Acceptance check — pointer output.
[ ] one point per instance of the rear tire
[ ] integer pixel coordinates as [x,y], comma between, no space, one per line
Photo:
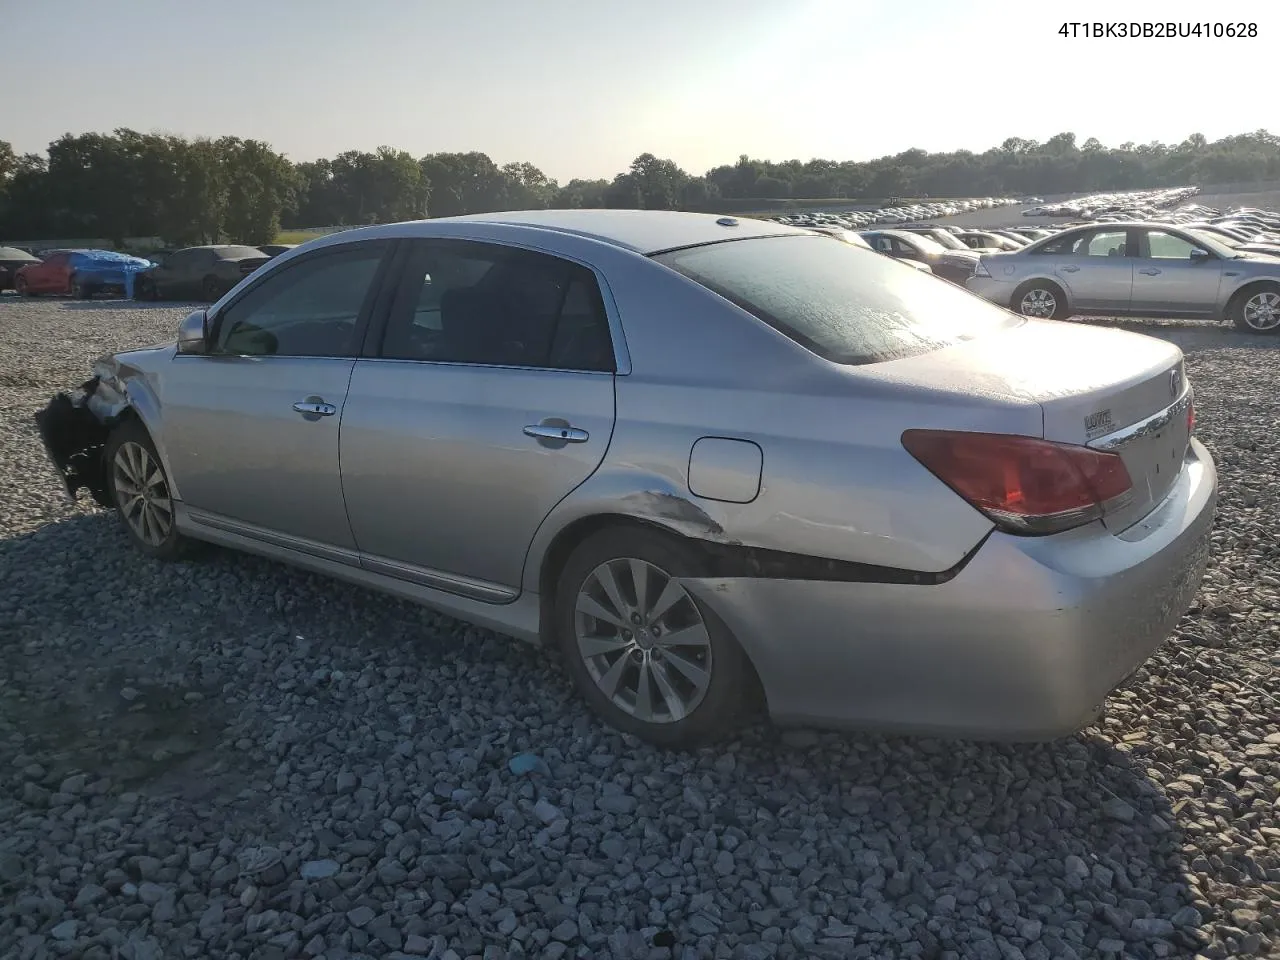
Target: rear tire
[1039,300]
[1256,309]
[78,290]
[139,488]
[211,288]
[145,290]
[20,287]
[651,660]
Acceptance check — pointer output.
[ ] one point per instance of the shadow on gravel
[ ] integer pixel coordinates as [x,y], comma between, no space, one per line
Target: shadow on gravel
[71,688]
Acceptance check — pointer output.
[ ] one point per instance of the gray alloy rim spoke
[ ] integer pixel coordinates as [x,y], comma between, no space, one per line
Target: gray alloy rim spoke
[1038,303]
[665,687]
[643,640]
[609,583]
[594,608]
[1262,312]
[143,494]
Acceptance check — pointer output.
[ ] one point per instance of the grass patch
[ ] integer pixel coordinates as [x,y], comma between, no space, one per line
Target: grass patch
[296,236]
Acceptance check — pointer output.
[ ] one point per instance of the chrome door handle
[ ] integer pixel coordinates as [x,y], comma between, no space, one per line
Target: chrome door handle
[1149,271]
[549,431]
[315,408]
[1070,269]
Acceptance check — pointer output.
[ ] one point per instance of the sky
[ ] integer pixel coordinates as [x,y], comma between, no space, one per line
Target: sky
[579,88]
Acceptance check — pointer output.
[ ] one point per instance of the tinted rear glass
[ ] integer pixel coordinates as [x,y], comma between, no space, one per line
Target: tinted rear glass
[845,304]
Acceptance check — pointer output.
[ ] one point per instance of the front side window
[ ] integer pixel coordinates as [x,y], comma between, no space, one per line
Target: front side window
[837,301]
[482,303]
[1168,246]
[308,309]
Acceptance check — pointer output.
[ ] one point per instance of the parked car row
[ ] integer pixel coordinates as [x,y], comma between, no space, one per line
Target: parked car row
[1192,262]
[1132,205]
[1137,268]
[894,214]
[190,273]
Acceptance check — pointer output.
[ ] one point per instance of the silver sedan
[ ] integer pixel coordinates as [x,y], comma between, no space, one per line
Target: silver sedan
[1134,269]
[713,462]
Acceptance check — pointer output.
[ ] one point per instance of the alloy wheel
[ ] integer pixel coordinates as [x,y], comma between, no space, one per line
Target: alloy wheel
[142,493]
[1262,311]
[1038,302]
[643,640]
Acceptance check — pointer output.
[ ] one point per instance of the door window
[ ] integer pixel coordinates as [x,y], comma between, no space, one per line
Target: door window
[1168,246]
[1107,243]
[308,309]
[464,302]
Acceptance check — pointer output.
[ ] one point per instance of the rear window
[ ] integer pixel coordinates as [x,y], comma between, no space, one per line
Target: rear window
[845,304]
[238,253]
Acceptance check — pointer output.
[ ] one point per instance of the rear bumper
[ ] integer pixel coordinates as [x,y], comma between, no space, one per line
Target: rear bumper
[1025,643]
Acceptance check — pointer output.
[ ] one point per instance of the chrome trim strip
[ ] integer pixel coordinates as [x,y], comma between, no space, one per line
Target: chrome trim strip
[1153,424]
[450,583]
[287,541]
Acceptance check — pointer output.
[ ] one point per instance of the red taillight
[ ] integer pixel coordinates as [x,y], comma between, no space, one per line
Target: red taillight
[1025,485]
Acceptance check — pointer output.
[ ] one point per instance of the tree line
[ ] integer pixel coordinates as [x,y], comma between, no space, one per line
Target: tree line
[131,184]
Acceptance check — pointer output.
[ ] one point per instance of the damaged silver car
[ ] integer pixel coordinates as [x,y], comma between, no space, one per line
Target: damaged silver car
[714,462]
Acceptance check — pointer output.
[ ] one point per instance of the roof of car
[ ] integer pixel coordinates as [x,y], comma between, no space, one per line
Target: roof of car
[645,231]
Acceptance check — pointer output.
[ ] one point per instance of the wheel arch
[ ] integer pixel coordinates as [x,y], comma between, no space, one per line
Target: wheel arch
[1243,291]
[567,539]
[1023,285]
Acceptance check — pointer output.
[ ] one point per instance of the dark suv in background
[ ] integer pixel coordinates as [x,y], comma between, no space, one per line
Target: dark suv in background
[198,272]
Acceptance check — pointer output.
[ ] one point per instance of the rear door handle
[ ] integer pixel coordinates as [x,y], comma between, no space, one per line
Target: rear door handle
[1149,271]
[311,409]
[1070,269]
[550,431]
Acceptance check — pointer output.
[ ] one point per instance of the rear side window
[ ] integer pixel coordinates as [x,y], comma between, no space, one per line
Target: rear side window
[847,305]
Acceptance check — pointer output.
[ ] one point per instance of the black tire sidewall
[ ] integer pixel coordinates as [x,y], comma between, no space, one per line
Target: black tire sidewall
[135,432]
[210,288]
[722,708]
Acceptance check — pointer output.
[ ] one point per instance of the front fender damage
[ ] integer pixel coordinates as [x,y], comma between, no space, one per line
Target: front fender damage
[74,428]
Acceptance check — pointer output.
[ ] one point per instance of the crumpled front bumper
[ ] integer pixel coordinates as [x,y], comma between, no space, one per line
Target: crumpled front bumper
[74,440]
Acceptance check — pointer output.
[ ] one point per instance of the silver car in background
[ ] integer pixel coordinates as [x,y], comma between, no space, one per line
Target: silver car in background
[707,460]
[1134,269]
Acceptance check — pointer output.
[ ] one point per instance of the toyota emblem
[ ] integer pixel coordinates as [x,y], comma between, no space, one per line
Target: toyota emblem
[1175,382]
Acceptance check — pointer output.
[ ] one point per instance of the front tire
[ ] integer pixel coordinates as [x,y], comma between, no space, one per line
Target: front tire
[1256,309]
[140,490]
[145,290]
[211,288]
[647,656]
[1040,300]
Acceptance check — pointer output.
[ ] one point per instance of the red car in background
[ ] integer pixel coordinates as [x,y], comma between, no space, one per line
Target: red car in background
[51,275]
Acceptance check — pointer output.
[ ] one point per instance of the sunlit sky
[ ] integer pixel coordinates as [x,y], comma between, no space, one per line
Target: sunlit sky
[580,87]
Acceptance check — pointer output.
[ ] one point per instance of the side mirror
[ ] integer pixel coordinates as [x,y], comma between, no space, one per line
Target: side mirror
[193,334]
[1198,255]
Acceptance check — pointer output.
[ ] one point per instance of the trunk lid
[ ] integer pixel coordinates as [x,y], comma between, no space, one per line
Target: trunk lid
[1104,388]
[249,264]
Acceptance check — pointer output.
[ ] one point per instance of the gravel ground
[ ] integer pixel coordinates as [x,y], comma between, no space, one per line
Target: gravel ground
[230,759]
